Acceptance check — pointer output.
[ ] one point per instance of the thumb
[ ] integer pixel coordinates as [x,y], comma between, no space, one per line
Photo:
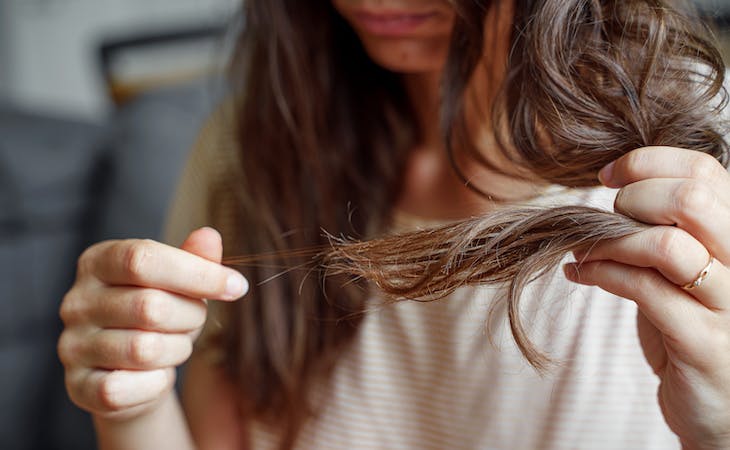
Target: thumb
[206,243]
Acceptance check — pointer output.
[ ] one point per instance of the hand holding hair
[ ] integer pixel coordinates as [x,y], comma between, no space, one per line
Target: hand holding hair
[685,332]
[132,316]
[684,325]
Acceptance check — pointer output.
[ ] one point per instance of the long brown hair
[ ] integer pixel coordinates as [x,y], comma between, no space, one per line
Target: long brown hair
[324,134]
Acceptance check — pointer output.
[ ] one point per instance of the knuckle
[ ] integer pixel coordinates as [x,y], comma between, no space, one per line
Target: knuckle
[85,263]
[108,392]
[646,281]
[200,318]
[145,349]
[73,392]
[182,351]
[669,243]
[70,311]
[150,310]
[136,256]
[619,203]
[704,166]
[67,348]
[634,162]
[187,349]
[694,198]
[76,389]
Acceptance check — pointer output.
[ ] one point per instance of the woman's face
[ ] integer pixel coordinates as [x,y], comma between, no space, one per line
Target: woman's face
[406,36]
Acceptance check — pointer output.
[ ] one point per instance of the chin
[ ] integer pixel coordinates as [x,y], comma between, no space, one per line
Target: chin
[408,56]
[402,36]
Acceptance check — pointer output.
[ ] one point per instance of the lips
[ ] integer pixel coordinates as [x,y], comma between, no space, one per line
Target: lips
[393,23]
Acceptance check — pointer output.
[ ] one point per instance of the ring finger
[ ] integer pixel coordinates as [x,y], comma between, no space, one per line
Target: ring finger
[674,253]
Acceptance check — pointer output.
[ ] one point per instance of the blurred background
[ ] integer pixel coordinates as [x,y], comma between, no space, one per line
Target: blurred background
[100,103]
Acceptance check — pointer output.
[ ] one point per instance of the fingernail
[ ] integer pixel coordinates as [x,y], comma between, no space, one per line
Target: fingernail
[605,174]
[236,286]
[571,271]
[579,255]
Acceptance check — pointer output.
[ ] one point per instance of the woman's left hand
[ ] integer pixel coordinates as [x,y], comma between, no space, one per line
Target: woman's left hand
[685,333]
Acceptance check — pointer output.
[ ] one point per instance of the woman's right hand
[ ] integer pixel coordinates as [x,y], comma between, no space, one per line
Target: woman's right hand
[132,315]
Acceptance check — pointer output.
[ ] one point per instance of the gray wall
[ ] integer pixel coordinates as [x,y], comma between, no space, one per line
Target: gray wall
[4,50]
[48,47]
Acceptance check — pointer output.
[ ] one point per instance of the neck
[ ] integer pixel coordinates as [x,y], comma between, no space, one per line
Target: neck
[431,187]
[424,92]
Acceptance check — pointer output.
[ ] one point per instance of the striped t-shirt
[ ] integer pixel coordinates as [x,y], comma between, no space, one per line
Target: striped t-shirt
[447,374]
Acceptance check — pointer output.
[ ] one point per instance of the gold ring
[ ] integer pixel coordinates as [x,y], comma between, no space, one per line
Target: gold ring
[704,273]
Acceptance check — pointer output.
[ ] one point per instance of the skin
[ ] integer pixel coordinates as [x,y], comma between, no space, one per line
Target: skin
[131,317]
[136,306]
[685,334]
[420,57]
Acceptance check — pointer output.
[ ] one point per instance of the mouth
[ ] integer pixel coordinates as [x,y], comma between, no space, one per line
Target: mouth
[393,24]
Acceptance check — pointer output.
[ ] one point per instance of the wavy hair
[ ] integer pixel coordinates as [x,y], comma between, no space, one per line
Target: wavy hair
[323,137]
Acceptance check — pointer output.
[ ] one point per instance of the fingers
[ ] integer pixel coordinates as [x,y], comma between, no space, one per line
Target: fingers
[671,310]
[123,349]
[132,315]
[675,254]
[664,162]
[691,204]
[107,392]
[151,264]
[672,186]
[135,308]
[206,243]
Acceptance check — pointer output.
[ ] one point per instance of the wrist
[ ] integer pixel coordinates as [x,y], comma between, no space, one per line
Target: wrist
[155,426]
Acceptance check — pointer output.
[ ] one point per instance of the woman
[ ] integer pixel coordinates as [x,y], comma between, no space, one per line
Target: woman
[339,122]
